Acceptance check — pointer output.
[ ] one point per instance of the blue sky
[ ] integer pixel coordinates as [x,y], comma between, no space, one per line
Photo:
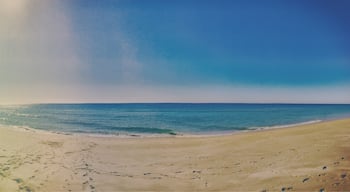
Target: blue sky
[287,43]
[123,49]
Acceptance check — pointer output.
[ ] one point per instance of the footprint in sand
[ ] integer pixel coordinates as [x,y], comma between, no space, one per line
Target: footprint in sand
[53,144]
[85,184]
[18,180]
[26,188]
[306,179]
[22,186]
[343,175]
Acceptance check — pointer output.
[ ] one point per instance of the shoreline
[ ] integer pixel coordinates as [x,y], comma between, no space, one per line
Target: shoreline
[138,127]
[178,134]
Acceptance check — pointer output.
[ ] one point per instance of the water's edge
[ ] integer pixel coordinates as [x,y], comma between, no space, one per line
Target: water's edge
[166,120]
[177,135]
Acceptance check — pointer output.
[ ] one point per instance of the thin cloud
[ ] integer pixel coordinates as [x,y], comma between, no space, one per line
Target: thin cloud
[37,46]
[130,65]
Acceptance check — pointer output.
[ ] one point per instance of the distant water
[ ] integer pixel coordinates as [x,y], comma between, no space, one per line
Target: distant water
[165,118]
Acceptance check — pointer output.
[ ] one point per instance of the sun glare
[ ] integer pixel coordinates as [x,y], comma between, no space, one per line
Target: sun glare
[12,7]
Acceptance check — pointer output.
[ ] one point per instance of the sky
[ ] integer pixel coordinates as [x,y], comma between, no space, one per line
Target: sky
[274,51]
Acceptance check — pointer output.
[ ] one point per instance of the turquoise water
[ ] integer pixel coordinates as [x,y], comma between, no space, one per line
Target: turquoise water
[165,118]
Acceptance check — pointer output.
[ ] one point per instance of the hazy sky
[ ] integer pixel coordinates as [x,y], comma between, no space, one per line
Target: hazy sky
[174,51]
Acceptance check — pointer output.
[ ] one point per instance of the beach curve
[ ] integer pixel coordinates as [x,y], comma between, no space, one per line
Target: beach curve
[311,157]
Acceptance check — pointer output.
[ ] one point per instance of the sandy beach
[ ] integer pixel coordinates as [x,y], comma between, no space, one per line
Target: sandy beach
[311,157]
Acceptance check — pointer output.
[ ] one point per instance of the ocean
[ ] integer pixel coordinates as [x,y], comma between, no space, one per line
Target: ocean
[166,118]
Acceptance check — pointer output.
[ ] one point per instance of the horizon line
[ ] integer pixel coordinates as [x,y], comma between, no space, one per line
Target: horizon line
[97,103]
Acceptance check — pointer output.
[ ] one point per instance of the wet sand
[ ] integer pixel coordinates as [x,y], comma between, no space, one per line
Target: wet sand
[311,157]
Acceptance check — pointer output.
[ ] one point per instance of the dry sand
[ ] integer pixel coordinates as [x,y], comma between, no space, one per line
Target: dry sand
[304,158]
